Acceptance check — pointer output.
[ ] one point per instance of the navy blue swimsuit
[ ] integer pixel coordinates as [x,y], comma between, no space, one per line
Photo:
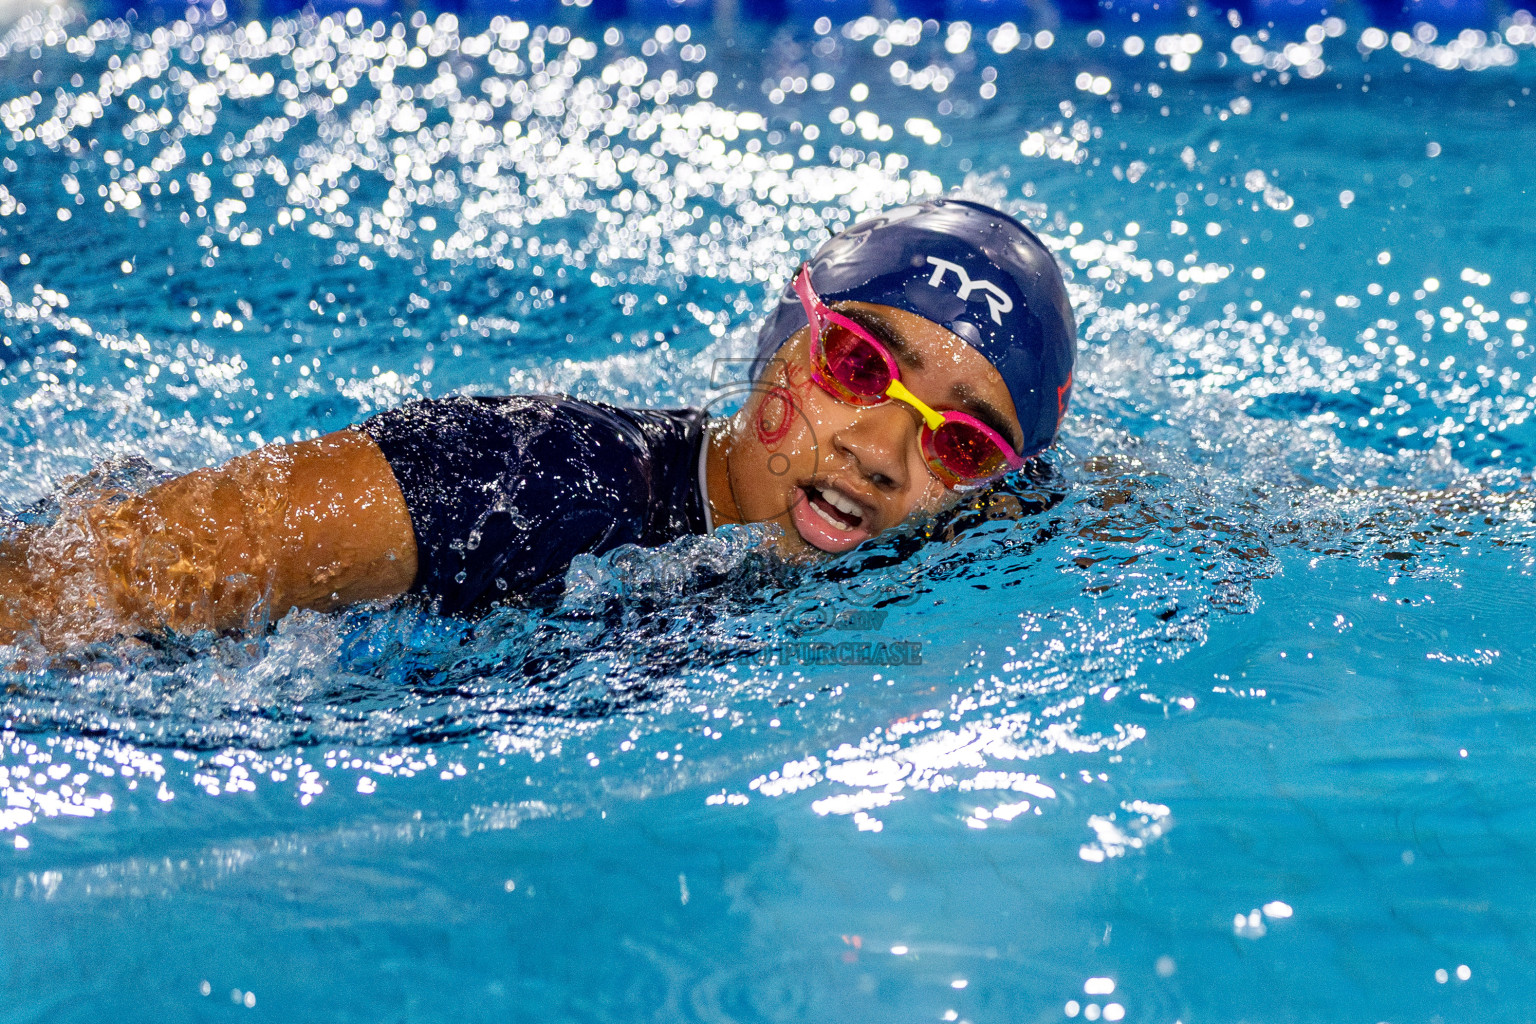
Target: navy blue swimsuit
[504,492]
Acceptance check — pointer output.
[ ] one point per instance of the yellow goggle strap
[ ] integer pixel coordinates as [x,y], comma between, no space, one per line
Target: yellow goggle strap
[932,417]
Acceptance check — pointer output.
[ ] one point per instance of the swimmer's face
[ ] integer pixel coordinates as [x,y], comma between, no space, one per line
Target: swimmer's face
[833,475]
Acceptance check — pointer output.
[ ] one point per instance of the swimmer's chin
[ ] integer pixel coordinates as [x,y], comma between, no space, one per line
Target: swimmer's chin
[780,538]
[782,534]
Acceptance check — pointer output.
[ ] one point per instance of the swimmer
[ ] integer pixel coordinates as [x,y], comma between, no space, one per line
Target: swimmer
[921,354]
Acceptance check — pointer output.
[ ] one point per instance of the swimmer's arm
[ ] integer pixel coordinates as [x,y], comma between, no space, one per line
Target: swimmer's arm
[314,524]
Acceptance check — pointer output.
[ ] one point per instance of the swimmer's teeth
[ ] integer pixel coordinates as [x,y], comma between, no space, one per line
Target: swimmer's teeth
[834,522]
[843,504]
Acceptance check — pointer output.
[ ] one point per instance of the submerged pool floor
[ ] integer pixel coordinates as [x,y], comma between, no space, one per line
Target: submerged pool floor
[1238,730]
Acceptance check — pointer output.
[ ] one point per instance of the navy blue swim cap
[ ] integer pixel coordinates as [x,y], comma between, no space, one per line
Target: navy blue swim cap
[970,268]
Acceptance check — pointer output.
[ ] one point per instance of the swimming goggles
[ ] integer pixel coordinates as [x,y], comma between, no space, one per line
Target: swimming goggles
[850,364]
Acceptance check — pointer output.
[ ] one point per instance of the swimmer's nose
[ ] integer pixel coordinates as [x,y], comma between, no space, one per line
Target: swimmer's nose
[880,441]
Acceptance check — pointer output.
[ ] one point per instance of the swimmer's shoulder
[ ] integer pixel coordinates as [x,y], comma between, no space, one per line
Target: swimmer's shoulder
[530,433]
[535,480]
[502,413]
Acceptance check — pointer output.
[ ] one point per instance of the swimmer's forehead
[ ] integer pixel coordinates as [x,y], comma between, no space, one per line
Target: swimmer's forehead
[962,396]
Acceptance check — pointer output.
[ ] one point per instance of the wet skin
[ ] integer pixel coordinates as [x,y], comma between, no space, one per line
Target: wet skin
[313,524]
[829,474]
[322,523]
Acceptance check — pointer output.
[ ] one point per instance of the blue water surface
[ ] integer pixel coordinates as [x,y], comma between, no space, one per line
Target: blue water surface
[1234,726]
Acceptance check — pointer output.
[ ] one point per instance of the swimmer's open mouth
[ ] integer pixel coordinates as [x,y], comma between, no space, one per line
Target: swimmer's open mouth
[830,519]
[836,508]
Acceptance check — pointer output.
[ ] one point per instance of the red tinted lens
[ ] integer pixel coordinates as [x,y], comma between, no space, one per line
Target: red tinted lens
[966,452]
[855,362]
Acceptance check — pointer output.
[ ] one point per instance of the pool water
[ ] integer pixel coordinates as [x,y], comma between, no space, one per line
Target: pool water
[1236,726]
